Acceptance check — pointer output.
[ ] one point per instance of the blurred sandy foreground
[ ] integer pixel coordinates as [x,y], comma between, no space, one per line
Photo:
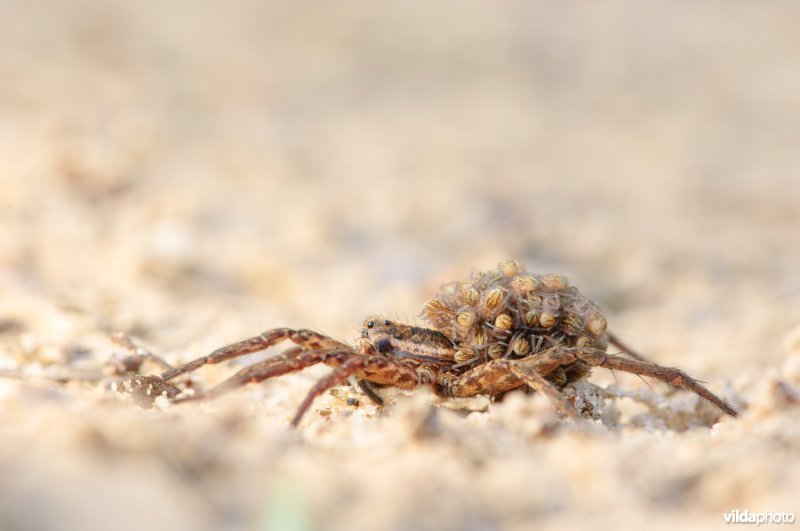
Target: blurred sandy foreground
[193,173]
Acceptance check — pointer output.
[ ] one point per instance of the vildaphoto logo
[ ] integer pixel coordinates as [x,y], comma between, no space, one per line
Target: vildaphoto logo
[764,517]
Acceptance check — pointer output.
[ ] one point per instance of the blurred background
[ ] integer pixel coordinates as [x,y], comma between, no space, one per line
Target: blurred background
[195,172]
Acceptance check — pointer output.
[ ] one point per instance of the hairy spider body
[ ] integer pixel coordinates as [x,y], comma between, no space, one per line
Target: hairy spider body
[496,331]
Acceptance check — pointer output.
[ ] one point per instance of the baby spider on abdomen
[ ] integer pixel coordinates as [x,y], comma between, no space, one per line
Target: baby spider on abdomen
[496,331]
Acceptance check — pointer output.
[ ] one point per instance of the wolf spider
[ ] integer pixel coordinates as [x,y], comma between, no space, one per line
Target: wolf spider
[497,331]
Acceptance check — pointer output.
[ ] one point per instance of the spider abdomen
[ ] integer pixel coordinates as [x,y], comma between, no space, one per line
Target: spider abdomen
[508,312]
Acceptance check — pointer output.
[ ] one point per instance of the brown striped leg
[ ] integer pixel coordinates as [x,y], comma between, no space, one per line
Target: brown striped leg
[373,369]
[665,374]
[338,376]
[499,376]
[370,389]
[376,369]
[306,339]
[293,360]
[364,347]
[527,373]
[136,357]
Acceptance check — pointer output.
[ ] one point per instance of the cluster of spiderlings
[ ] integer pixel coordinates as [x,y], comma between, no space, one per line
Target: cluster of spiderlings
[510,313]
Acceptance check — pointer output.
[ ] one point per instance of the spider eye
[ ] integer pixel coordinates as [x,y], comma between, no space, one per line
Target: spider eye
[370,324]
[387,322]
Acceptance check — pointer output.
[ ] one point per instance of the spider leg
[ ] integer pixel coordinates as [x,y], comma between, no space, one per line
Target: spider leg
[377,369]
[137,355]
[369,389]
[498,376]
[306,339]
[293,360]
[614,340]
[527,373]
[338,376]
[369,369]
[669,375]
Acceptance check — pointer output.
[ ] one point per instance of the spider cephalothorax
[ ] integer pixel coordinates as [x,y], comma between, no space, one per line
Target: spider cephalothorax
[494,332]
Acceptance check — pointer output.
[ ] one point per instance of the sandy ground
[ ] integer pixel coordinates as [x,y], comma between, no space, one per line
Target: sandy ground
[192,174]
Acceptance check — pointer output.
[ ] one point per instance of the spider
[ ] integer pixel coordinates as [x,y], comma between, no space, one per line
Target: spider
[491,333]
